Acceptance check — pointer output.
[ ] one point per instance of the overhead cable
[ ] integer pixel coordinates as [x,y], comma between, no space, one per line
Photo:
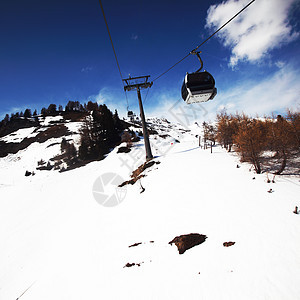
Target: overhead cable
[194,50]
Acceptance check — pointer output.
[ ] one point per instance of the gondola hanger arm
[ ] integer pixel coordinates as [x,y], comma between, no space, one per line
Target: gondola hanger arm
[197,53]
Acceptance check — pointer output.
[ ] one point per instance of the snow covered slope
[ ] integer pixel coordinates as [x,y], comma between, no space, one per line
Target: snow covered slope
[58,242]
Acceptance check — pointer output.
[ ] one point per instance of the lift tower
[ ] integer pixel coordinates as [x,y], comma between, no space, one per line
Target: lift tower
[138,83]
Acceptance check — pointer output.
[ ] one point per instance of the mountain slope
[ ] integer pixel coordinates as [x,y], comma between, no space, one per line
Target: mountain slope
[60,243]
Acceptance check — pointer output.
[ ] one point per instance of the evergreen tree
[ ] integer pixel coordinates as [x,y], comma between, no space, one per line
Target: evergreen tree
[70,106]
[91,106]
[117,122]
[44,112]
[51,109]
[27,113]
[98,133]
[6,119]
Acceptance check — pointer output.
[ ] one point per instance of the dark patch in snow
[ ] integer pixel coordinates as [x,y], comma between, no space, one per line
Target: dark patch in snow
[134,245]
[228,244]
[123,150]
[136,174]
[129,265]
[164,136]
[187,241]
[140,243]
[53,144]
[55,131]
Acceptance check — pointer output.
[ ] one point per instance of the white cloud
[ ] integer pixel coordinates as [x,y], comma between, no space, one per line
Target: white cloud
[112,99]
[174,109]
[274,94]
[262,27]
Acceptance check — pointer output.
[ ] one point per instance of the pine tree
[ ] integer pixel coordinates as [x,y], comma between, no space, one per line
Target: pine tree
[51,110]
[6,120]
[27,113]
[44,112]
[98,133]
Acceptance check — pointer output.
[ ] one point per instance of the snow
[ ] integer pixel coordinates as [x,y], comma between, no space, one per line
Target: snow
[59,243]
[19,135]
[46,121]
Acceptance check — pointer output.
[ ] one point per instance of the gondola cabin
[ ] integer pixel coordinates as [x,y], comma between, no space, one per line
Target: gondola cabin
[198,87]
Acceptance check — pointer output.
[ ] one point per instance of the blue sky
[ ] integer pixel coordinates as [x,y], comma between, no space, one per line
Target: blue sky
[55,51]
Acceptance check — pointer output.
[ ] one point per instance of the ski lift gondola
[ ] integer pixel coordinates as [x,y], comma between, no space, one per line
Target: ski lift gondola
[198,86]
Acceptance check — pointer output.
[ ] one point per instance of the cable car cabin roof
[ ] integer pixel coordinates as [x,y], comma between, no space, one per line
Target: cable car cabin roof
[201,79]
[198,87]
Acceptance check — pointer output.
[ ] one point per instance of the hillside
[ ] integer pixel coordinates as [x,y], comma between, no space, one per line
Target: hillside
[61,239]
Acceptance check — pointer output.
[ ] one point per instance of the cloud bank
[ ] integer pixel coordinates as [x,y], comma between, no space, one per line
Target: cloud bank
[262,27]
[276,93]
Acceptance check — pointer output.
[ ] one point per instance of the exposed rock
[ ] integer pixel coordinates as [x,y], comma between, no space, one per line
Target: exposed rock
[134,245]
[164,136]
[136,174]
[228,244]
[187,241]
[123,150]
[129,265]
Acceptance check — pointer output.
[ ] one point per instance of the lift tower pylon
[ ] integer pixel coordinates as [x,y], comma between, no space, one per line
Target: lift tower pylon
[138,83]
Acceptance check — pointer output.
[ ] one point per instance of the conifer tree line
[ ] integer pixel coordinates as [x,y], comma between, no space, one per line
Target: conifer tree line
[263,142]
[101,130]
[51,110]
